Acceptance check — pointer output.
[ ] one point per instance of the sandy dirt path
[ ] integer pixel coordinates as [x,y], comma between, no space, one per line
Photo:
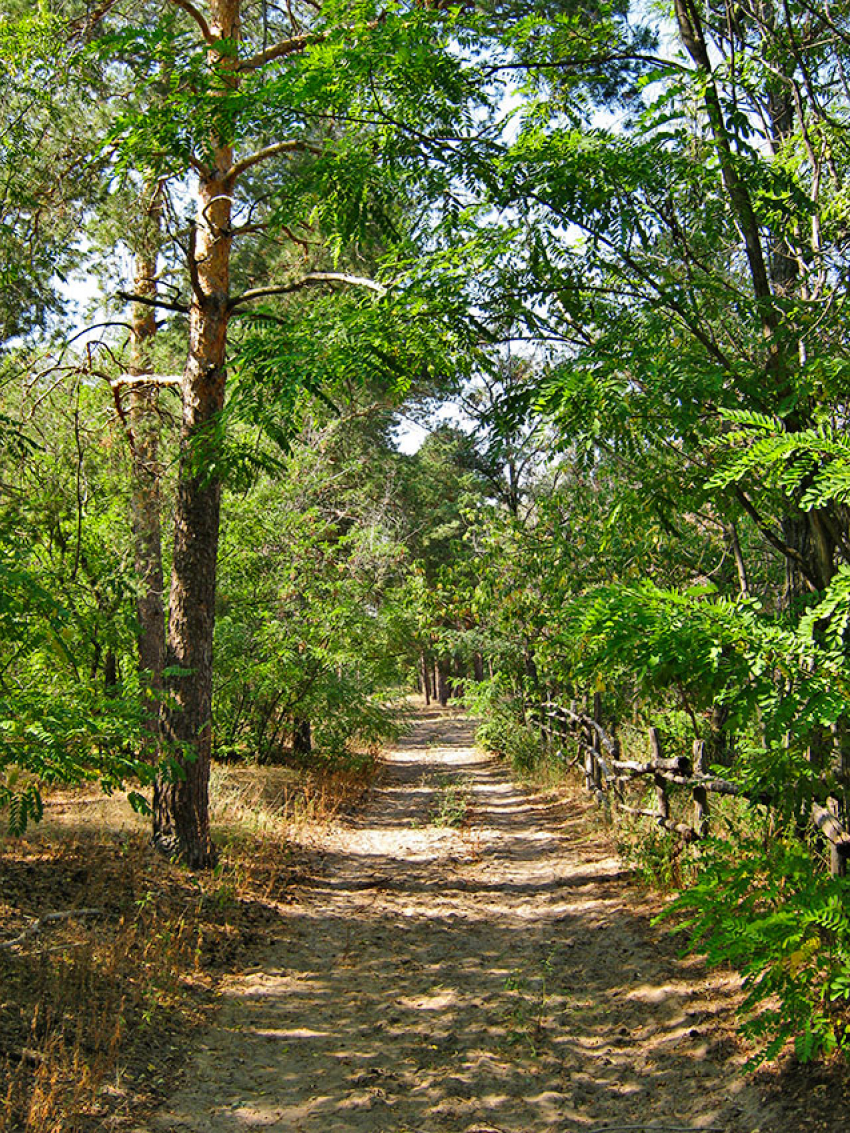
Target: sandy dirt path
[498,977]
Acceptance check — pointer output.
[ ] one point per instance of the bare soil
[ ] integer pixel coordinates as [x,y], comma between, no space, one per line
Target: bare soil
[467,955]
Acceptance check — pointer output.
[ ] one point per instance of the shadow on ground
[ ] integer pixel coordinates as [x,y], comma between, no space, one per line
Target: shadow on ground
[502,976]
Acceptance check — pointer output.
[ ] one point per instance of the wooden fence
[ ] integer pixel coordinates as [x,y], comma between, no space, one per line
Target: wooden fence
[606,774]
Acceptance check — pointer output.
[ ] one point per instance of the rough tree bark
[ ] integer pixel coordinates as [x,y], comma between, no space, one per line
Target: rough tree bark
[425,667]
[181,802]
[144,421]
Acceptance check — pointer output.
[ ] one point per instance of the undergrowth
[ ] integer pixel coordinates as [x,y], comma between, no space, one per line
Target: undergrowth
[286,797]
[758,903]
[88,997]
[452,804]
[658,857]
[756,896]
[501,729]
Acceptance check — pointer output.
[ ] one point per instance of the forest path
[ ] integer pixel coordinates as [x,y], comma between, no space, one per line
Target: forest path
[502,976]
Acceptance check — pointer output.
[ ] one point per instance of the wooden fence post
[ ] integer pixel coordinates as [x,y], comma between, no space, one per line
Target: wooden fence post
[837,857]
[590,768]
[597,742]
[662,803]
[564,729]
[701,811]
[589,761]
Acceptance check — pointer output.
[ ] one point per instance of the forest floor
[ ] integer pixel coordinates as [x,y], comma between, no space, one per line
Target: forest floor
[467,955]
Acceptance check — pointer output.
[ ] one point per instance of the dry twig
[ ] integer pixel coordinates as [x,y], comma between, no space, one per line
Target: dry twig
[48,918]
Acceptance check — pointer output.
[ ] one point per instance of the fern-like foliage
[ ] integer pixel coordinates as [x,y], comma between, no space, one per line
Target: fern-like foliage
[812,464]
[56,724]
[759,904]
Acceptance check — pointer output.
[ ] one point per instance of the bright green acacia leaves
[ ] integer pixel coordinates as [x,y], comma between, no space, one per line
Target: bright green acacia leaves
[165,115]
[342,339]
[758,904]
[576,54]
[58,724]
[813,465]
[355,72]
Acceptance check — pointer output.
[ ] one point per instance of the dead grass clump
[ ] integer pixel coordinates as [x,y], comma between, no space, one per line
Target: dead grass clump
[92,1010]
[78,995]
[257,800]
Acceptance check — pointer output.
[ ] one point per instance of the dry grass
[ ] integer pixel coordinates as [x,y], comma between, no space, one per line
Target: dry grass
[272,799]
[96,1012]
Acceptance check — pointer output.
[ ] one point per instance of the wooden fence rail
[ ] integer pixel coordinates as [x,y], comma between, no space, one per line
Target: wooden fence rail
[606,772]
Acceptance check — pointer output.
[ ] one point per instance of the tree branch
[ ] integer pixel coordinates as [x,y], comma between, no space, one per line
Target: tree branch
[292,46]
[149,301]
[198,17]
[591,60]
[770,535]
[170,381]
[192,262]
[37,926]
[314,278]
[294,146]
[200,168]
[85,24]
[278,50]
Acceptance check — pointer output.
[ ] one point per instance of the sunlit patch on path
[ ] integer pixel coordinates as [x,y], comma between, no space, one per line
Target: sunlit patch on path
[469,958]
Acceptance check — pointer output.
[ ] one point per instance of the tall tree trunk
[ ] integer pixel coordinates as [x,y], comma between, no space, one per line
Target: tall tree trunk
[302,736]
[719,748]
[443,681]
[691,33]
[810,534]
[181,803]
[426,678]
[144,421]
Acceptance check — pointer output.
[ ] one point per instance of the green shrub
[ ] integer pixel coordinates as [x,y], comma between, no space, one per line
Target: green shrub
[514,741]
[765,906]
[655,854]
[59,723]
[350,725]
